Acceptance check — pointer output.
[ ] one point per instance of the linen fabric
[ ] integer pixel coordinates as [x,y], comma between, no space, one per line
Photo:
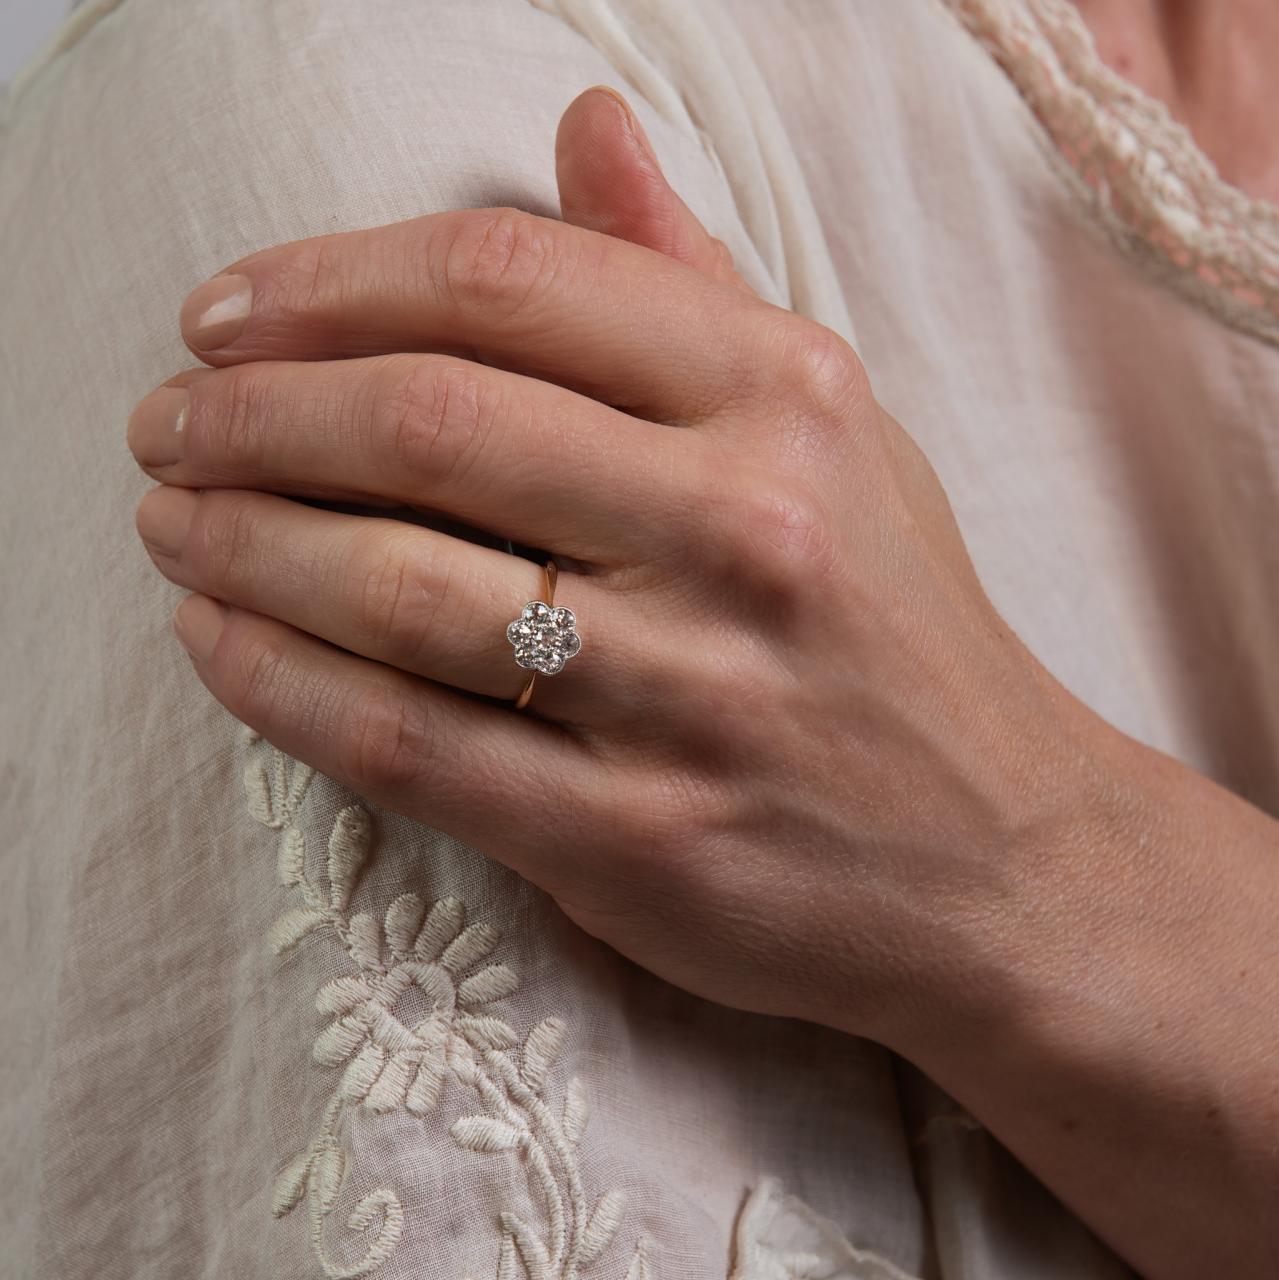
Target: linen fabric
[179,895]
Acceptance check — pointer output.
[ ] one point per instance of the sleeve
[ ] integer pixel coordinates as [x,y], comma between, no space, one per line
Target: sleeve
[182,1054]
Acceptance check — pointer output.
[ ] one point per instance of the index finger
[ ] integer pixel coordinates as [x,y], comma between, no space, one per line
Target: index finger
[613,320]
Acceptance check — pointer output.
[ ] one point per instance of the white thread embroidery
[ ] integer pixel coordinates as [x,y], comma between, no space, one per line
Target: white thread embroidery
[426,958]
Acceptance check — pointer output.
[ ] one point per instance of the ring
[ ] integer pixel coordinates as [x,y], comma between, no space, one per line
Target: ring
[543,636]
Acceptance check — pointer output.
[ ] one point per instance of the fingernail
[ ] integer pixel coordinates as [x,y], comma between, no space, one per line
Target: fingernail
[632,122]
[156,427]
[164,516]
[198,622]
[215,313]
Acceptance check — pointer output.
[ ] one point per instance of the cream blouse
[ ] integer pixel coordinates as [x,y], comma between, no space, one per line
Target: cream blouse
[210,1064]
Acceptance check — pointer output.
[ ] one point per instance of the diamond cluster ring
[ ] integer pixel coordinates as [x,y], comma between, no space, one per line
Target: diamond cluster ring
[543,636]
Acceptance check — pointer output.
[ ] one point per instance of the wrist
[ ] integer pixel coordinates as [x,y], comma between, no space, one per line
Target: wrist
[1068,870]
[1120,1037]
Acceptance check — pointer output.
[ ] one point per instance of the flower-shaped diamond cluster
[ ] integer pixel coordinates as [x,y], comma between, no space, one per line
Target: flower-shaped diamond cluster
[543,637]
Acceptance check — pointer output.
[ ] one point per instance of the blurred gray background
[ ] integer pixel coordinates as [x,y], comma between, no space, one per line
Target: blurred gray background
[24,27]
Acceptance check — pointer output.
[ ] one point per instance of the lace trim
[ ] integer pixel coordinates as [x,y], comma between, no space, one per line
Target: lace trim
[1157,194]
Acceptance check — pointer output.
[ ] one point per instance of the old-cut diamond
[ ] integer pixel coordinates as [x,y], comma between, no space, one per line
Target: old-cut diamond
[544,637]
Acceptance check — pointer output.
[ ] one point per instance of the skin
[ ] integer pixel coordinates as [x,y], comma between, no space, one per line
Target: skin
[801,765]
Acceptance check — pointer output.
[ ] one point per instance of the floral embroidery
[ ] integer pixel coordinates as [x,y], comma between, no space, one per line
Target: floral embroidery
[407,1022]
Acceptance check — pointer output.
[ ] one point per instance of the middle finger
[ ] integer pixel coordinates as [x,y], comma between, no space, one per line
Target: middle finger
[522,458]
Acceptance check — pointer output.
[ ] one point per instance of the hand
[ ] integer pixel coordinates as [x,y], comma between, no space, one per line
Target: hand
[800,765]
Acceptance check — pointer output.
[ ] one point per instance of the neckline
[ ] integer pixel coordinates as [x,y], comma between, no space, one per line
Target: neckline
[1158,195]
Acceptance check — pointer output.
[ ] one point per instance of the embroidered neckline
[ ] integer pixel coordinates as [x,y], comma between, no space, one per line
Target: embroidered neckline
[1157,194]
[410,1020]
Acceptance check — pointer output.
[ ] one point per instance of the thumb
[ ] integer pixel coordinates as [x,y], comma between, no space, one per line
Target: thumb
[610,181]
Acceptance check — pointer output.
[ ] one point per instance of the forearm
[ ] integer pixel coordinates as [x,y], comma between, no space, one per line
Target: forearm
[1132,1062]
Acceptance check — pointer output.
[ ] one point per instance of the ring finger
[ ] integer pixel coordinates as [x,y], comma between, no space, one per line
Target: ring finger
[417,599]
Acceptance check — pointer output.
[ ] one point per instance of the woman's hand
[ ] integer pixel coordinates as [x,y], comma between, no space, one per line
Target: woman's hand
[799,765]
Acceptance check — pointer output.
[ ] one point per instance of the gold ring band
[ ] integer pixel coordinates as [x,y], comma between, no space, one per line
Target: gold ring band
[527,692]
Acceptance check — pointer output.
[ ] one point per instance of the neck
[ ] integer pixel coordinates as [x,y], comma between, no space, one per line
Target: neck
[1212,62]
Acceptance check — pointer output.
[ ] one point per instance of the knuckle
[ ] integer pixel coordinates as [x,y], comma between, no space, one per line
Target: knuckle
[226,527]
[723,256]
[229,436]
[780,520]
[312,273]
[387,743]
[430,416]
[259,672]
[771,541]
[380,591]
[407,601]
[497,258]
[820,370]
